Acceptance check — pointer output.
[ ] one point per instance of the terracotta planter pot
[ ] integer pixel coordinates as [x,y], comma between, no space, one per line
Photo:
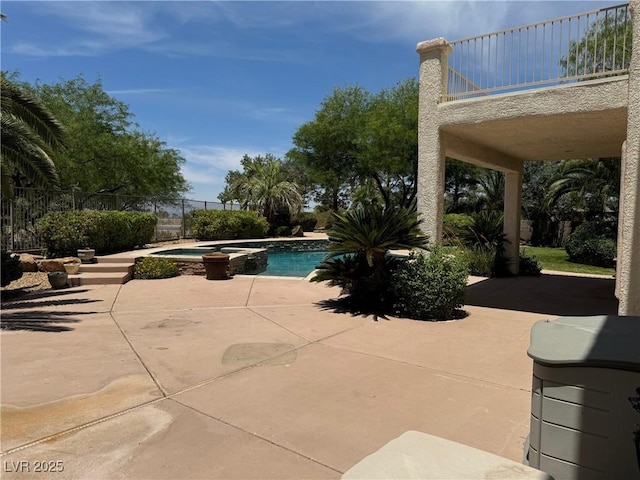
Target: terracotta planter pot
[216,266]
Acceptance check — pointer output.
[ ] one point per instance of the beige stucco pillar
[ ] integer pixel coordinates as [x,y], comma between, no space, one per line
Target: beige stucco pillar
[512,203]
[628,266]
[431,152]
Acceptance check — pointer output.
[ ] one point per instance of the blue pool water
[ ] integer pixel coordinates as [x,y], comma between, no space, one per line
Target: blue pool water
[293,264]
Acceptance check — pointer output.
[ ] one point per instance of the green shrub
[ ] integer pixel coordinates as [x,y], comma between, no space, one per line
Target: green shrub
[326,220]
[429,286]
[149,268]
[11,269]
[228,224]
[593,243]
[480,261]
[283,231]
[307,221]
[529,266]
[107,232]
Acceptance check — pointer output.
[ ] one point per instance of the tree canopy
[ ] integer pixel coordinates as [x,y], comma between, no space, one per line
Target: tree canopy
[107,152]
[362,145]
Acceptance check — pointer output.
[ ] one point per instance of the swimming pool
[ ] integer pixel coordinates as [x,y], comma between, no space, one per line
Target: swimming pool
[293,264]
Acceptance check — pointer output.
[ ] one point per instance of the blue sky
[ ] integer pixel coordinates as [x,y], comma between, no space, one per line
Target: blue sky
[216,80]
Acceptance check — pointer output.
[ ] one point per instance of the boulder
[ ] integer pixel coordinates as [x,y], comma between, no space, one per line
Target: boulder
[28,262]
[56,264]
[297,231]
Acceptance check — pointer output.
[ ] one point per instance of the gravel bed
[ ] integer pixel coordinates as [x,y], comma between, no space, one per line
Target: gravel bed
[29,282]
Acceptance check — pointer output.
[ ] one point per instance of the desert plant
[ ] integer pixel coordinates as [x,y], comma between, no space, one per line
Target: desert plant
[358,260]
[11,269]
[429,286]
[485,231]
[454,226]
[149,268]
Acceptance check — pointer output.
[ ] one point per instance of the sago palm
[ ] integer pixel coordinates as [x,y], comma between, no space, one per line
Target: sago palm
[359,242]
[373,230]
[30,137]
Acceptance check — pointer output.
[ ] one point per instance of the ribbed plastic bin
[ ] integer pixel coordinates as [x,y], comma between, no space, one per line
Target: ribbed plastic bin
[586,382]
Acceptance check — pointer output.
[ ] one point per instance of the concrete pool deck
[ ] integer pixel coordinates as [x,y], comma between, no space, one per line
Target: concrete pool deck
[257,377]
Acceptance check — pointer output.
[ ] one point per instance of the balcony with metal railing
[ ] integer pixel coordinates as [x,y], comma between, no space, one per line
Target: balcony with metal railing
[586,46]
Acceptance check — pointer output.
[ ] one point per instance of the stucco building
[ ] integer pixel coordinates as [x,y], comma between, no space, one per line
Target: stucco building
[505,98]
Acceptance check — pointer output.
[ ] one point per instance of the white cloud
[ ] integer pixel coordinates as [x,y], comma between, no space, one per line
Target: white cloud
[207,165]
[220,158]
[415,21]
[94,28]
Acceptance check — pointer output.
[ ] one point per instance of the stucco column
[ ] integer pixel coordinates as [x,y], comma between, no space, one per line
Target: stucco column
[628,266]
[512,203]
[431,153]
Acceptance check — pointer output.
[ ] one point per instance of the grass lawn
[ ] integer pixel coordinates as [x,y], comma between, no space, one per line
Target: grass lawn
[557,259]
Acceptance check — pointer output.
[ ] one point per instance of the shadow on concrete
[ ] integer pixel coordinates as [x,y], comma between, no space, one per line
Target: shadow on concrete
[29,312]
[46,303]
[11,295]
[343,306]
[37,321]
[557,295]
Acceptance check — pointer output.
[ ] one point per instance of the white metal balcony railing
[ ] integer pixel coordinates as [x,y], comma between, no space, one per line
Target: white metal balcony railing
[569,49]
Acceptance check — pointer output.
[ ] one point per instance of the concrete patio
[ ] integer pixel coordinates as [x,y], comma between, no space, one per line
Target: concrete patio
[258,377]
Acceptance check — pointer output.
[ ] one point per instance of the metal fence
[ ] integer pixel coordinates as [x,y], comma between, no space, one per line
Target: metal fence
[21,213]
[586,46]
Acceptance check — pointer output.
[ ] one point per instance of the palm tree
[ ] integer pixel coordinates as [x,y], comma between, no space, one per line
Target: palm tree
[595,183]
[30,137]
[358,261]
[263,189]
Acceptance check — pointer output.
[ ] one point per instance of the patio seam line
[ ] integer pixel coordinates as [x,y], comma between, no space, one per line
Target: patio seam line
[135,352]
[257,436]
[77,428]
[113,304]
[228,307]
[277,324]
[253,281]
[435,370]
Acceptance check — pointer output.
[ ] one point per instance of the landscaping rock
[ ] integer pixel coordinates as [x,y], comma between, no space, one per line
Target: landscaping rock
[297,231]
[28,262]
[56,264]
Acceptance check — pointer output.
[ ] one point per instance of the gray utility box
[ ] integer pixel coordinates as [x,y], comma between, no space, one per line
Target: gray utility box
[586,382]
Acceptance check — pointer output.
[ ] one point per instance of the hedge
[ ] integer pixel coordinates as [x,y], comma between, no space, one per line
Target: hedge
[430,287]
[107,232]
[593,243]
[228,224]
